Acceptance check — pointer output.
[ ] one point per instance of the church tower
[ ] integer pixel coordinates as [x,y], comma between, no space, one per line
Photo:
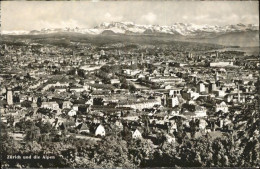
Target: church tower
[216,52]
[216,76]
[9,96]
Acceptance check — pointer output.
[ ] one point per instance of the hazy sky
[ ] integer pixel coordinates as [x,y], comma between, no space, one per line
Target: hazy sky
[29,15]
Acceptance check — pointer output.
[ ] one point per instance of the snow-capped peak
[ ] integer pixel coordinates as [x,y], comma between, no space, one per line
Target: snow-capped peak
[184,29]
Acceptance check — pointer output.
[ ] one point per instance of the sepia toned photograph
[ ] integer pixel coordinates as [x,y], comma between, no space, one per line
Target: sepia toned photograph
[129,84]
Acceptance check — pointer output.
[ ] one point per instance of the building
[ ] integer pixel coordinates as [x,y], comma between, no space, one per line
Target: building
[84,129]
[220,93]
[50,105]
[9,96]
[72,112]
[202,125]
[216,76]
[189,56]
[221,107]
[200,111]
[34,102]
[173,101]
[100,131]
[189,94]
[66,105]
[212,87]
[170,139]
[139,104]
[114,81]
[220,64]
[166,79]
[136,134]
[102,53]
[174,92]
[57,84]
[77,89]
[201,87]
[216,52]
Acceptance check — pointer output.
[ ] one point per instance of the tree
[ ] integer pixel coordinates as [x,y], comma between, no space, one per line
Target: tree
[132,88]
[168,157]
[141,152]
[20,125]
[26,103]
[32,133]
[192,124]
[10,120]
[8,147]
[112,152]
[126,134]
[45,127]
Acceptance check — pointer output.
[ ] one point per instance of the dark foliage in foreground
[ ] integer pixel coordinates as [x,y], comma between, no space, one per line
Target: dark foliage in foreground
[240,148]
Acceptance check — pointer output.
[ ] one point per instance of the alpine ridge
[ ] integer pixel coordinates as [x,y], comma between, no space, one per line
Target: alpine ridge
[182,29]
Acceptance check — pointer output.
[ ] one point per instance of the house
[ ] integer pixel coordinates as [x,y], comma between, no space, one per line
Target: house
[201,87]
[221,107]
[229,97]
[57,84]
[136,134]
[172,126]
[89,102]
[50,105]
[130,72]
[66,105]
[119,124]
[221,64]
[203,123]
[67,124]
[139,104]
[100,130]
[170,139]
[166,79]
[69,112]
[72,112]
[75,107]
[200,111]
[189,94]
[220,93]
[60,89]
[114,81]
[174,91]
[83,128]
[174,101]
[77,89]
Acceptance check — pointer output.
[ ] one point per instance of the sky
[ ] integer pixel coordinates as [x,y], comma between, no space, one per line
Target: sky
[31,15]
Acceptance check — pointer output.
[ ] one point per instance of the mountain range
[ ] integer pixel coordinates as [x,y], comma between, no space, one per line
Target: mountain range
[239,34]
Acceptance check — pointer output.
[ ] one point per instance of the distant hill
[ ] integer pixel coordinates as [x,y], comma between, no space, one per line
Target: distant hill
[243,39]
[108,32]
[67,39]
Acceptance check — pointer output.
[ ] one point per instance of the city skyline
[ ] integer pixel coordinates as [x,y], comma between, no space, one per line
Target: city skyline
[27,15]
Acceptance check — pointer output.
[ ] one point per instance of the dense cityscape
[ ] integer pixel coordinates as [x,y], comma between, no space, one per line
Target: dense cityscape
[129,84]
[70,103]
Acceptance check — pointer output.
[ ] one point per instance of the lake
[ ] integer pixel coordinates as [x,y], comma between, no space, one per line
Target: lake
[247,50]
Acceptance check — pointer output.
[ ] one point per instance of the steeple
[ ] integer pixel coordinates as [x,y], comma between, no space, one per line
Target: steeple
[238,93]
